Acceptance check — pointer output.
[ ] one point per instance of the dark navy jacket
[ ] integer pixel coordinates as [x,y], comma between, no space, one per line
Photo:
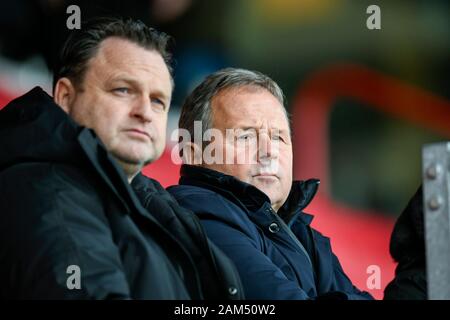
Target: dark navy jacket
[276,258]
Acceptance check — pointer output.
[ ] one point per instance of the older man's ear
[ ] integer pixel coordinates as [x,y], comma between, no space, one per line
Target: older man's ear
[64,94]
[191,153]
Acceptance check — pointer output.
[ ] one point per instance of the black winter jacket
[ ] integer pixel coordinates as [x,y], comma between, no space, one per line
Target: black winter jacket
[65,204]
[407,247]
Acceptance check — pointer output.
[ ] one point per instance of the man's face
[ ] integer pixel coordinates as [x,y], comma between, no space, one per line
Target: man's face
[125,97]
[262,133]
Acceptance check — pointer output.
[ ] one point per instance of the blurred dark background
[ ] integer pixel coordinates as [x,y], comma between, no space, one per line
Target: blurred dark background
[289,40]
[374,157]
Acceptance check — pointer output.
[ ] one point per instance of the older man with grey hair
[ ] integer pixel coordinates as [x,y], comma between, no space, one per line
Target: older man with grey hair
[240,184]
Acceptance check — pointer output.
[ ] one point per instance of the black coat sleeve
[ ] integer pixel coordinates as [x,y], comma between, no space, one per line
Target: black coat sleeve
[51,218]
[407,247]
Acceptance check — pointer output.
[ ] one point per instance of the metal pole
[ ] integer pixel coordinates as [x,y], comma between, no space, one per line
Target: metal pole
[436,195]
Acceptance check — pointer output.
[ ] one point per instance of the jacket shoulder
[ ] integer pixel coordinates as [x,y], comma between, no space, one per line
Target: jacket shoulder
[31,190]
[45,177]
[181,191]
[51,218]
[204,201]
[209,205]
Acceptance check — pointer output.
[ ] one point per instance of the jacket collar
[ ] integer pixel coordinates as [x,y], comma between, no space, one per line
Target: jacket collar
[106,167]
[130,196]
[248,196]
[146,184]
[34,129]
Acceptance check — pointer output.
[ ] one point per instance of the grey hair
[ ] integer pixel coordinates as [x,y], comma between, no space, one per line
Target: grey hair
[197,106]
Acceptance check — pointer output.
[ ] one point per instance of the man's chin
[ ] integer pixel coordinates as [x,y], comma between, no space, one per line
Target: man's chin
[134,160]
[267,191]
[137,156]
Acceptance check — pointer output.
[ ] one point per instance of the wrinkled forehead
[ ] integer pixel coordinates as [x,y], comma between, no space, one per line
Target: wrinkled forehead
[248,107]
[119,57]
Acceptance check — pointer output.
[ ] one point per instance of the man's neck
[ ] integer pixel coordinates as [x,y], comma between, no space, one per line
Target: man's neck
[276,207]
[131,170]
[130,178]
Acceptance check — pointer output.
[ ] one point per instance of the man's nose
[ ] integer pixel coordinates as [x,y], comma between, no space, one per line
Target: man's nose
[267,149]
[142,109]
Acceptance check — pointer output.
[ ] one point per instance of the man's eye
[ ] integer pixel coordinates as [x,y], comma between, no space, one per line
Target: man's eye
[159,104]
[122,90]
[156,100]
[245,137]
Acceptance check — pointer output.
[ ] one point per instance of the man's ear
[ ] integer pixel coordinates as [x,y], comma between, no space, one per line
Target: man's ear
[64,94]
[192,153]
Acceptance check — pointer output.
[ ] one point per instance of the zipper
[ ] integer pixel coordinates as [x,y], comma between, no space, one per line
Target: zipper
[292,236]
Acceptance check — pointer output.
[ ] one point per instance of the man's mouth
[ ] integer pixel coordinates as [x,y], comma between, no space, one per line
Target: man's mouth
[138,132]
[266,175]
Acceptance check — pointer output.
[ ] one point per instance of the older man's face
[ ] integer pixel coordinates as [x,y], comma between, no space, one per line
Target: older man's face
[261,131]
[125,98]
